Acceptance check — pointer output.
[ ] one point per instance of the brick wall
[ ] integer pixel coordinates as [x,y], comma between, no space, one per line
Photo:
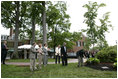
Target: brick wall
[77,48]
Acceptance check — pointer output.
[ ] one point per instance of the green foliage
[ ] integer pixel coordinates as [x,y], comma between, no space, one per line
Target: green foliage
[31,18]
[107,54]
[11,19]
[58,24]
[115,59]
[68,37]
[95,33]
[87,44]
[102,44]
[8,14]
[92,61]
[57,21]
[115,65]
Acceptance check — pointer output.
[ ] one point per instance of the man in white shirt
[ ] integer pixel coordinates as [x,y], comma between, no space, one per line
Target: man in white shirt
[57,54]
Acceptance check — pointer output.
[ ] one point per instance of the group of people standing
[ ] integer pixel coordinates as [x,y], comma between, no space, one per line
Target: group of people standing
[42,52]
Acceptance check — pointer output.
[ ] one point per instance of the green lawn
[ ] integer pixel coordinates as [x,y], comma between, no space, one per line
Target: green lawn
[27,60]
[55,71]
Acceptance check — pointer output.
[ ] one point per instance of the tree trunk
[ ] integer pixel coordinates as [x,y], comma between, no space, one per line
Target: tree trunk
[55,40]
[44,24]
[33,31]
[15,54]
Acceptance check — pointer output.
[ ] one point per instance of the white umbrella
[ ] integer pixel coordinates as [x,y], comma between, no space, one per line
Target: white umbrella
[27,47]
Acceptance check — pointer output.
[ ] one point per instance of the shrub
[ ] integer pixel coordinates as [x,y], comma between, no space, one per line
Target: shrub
[115,65]
[107,54]
[92,61]
[115,59]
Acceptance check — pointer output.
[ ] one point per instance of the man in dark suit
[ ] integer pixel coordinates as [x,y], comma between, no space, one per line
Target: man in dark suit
[80,54]
[4,52]
[64,55]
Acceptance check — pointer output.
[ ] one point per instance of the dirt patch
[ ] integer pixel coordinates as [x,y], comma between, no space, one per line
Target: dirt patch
[102,66]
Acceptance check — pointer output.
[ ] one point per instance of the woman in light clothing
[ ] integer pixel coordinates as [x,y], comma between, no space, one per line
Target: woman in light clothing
[57,54]
[40,55]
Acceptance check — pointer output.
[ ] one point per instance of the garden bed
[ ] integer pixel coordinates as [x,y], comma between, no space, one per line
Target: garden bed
[102,66]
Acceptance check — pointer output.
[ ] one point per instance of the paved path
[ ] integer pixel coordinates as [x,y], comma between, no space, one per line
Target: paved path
[27,63]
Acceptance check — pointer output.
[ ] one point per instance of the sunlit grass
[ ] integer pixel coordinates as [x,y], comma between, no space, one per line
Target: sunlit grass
[55,71]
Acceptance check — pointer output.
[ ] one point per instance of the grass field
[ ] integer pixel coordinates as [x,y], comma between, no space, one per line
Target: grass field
[27,60]
[55,71]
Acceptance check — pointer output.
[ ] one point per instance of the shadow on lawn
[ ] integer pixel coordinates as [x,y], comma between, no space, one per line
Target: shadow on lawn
[99,66]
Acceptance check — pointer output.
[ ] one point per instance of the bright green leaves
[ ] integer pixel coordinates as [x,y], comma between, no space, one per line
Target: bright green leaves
[8,14]
[58,23]
[94,32]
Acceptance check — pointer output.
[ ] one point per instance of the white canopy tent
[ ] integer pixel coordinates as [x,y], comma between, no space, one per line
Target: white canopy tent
[25,48]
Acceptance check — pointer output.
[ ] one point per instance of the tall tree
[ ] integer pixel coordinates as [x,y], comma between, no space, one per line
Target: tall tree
[16,29]
[57,21]
[10,18]
[93,31]
[44,23]
[33,17]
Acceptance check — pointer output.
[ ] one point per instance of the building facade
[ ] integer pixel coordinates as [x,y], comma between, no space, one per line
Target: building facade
[78,45]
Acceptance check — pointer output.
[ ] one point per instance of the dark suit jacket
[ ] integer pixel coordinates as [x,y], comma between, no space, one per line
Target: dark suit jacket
[4,49]
[80,53]
[63,52]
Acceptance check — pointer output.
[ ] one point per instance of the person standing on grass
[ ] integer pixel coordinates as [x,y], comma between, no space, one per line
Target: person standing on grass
[57,54]
[40,55]
[80,54]
[45,56]
[33,57]
[4,50]
[64,55]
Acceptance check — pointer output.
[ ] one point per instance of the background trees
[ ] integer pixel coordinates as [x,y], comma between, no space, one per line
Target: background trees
[10,12]
[58,22]
[50,17]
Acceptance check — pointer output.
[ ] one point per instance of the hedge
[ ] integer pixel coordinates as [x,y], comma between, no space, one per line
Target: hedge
[108,54]
[92,61]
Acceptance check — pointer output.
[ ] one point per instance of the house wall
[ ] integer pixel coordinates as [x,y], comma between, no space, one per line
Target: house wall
[76,47]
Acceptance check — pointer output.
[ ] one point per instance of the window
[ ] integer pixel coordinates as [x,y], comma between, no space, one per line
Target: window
[5,37]
[78,44]
[1,37]
[83,43]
